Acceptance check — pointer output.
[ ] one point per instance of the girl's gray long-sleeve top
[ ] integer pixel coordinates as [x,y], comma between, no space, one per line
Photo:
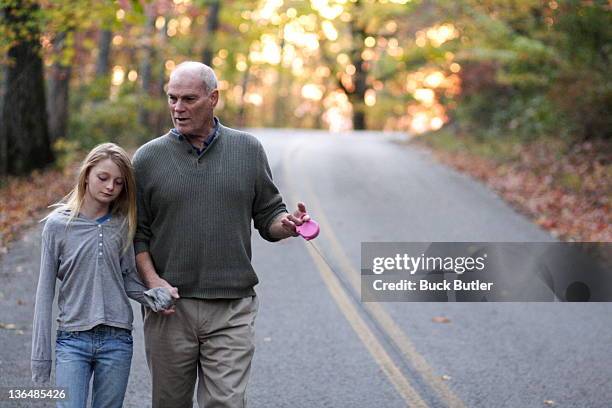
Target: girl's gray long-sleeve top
[95,276]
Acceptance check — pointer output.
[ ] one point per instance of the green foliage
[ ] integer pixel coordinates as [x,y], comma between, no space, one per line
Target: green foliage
[584,99]
[528,68]
[490,114]
[20,21]
[51,18]
[108,121]
[66,152]
[545,68]
[96,91]
[500,149]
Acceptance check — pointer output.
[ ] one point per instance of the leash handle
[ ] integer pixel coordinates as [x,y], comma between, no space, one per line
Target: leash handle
[308,230]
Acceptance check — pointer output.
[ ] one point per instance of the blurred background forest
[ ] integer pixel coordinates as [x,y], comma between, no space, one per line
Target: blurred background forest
[495,68]
[493,75]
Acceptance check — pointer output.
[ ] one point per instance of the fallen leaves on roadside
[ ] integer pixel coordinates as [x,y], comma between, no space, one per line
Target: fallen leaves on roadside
[566,192]
[25,200]
[440,319]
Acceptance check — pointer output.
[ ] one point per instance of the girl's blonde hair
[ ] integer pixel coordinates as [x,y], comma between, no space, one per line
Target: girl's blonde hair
[125,204]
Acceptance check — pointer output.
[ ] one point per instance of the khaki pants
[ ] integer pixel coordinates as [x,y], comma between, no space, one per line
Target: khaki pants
[211,340]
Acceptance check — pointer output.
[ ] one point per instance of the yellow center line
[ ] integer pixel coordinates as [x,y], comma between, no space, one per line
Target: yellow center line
[367,337]
[395,333]
[397,378]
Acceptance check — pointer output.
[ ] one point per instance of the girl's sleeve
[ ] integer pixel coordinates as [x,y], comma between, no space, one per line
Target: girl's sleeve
[156,299]
[134,287]
[45,293]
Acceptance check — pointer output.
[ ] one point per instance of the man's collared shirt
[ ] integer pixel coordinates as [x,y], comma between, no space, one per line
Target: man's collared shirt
[179,136]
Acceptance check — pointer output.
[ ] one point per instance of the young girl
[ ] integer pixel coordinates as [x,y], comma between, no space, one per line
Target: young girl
[87,247]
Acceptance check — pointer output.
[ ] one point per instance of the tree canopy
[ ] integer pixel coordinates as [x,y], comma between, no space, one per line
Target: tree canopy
[496,67]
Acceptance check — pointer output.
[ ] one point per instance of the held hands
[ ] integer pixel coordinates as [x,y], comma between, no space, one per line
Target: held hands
[162,295]
[159,299]
[168,297]
[289,222]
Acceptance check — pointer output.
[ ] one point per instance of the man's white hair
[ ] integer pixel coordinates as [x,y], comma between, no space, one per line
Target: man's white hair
[206,74]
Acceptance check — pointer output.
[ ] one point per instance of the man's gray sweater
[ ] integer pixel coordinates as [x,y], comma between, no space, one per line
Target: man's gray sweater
[195,212]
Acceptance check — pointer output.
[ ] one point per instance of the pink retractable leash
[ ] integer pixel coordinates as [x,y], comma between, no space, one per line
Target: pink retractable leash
[309,231]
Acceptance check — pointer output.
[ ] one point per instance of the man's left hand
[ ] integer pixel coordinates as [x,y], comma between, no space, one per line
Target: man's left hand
[285,226]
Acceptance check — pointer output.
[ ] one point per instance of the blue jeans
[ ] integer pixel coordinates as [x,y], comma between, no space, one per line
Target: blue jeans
[105,352]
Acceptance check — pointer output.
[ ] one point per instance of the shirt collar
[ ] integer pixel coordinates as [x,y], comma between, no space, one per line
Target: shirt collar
[103,218]
[179,136]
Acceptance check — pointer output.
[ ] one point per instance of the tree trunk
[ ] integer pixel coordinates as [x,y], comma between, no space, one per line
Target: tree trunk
[160,88]
[281,95]
[358,119]
[23,128]
[357,97]
[104,47]
[3,146]
[242,109]
[212,24]
[57,102]
[162,120]
[359,79]
[146,68]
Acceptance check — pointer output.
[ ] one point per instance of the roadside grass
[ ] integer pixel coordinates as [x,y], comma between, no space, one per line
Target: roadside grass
[498,149]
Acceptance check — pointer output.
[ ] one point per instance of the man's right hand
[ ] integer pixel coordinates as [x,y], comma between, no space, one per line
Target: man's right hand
[151,279]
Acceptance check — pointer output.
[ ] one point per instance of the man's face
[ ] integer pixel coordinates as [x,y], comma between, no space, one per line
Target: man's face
[190,105]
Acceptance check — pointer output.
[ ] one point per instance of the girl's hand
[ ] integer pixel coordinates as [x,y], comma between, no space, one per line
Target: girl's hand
[159,299]
[162,283]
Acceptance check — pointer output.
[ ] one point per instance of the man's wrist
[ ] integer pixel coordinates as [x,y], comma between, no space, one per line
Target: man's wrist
[277,230]
[147,271]
[154,282]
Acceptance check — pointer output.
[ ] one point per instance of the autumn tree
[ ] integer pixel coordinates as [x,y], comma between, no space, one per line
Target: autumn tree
[211,27]
[58,90]
[24,135]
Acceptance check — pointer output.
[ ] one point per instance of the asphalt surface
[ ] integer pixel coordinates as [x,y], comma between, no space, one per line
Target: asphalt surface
[318,345]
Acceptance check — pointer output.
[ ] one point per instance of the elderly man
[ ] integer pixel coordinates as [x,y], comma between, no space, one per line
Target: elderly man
[199,187]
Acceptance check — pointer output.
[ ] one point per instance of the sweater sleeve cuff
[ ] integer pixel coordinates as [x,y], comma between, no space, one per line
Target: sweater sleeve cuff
[140,246]
[265,233]
[41,370]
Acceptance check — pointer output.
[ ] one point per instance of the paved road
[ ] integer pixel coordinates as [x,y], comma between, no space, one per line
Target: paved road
[319,346]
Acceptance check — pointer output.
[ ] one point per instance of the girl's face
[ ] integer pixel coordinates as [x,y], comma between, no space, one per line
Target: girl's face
[104,182]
